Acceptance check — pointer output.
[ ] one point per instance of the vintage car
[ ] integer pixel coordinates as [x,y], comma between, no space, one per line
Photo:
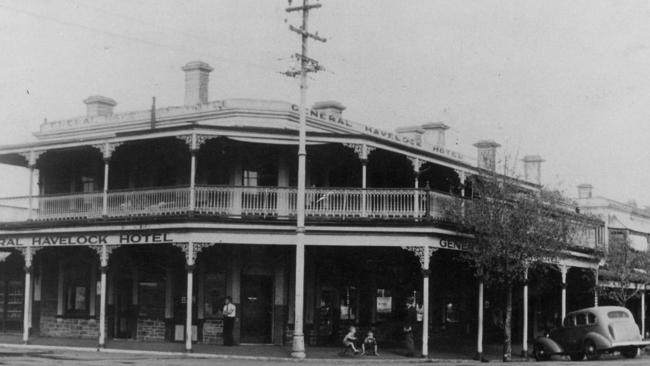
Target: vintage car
[591,332]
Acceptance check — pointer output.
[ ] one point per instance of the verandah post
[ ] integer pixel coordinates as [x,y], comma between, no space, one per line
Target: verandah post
[28,255]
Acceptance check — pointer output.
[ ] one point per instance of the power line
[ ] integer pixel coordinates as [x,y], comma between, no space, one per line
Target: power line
[174,30]
[135,39]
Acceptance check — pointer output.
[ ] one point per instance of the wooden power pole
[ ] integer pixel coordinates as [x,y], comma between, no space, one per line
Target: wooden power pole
[306,65]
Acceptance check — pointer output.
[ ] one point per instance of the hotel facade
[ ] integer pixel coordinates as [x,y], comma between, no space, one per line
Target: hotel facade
[136,225]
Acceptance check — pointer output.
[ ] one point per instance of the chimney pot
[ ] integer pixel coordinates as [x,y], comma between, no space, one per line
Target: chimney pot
[533,168]
[487,153]
[434,133]
[330,108]
[197,77]
[585,190]
[97,105]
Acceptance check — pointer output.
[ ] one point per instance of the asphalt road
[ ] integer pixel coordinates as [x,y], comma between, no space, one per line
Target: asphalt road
[17,356]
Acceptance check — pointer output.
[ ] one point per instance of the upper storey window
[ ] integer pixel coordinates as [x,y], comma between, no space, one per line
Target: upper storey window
[88,184]
[250,178]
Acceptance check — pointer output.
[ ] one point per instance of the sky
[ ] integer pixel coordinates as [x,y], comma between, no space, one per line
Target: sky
[567,80]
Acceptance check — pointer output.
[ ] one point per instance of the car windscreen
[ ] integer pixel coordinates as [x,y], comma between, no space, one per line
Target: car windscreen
[617,314]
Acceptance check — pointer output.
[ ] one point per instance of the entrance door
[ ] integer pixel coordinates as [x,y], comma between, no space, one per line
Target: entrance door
[256,308]
[124,317]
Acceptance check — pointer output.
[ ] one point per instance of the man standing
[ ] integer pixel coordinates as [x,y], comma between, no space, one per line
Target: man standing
[229,313]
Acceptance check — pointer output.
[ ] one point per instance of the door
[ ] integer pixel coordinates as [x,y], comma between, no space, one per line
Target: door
[256,308]
[124,317]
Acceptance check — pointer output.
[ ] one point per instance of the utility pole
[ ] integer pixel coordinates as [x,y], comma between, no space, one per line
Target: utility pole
[306,65]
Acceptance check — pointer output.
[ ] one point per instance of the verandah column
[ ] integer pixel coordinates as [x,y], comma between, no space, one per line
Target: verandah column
[417,164]
[524,336]
[31,157]
[191,250]
[425,302]
[194,143]
[423,253]
[107,149]
[28,254]
[563,272]
[479,332]
[362,151]
[190,295]
[193,151]
[596,274]
[643,313]
[104,252]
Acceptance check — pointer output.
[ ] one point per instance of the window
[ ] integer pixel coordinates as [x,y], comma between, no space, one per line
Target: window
[617,314]
[215,294]
[88,184]
[250,178]
[77,289]
[152,299]
[581,319]
[591,319]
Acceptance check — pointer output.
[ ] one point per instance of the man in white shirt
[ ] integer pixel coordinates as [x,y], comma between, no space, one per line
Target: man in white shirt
[229,313]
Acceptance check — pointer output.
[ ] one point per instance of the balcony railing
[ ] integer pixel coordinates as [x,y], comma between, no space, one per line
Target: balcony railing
[231,201]
[243,202]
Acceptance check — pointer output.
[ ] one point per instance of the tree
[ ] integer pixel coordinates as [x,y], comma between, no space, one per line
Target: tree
[514,231]
[626,271]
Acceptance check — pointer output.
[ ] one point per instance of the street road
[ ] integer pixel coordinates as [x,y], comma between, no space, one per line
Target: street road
[17,356]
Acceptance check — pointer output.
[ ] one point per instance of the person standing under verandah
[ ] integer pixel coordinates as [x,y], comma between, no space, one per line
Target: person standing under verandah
[229,314]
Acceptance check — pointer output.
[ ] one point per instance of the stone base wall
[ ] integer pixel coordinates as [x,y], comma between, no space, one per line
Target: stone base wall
[69,327]
[150,330]
[212,331]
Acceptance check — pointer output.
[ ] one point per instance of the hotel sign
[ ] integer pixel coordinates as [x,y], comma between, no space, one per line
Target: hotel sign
[86,239]
[460,244]
[377,132]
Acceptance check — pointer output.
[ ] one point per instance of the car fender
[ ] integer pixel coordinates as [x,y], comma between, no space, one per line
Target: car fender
[599,340]
[550,346]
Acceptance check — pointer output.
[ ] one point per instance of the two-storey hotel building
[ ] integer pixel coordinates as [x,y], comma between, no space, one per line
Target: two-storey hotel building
[137,225]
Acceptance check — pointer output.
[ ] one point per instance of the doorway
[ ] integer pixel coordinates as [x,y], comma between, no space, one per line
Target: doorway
[124,310]
[256,308]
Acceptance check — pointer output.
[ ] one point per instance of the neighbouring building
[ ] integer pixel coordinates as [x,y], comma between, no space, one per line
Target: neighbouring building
[626,224]
[144,221]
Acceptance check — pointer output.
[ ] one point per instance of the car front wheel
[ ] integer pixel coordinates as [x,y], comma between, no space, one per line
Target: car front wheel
[540,353]
[591,351]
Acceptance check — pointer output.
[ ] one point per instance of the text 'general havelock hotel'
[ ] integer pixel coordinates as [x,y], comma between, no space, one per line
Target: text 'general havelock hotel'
[137,225]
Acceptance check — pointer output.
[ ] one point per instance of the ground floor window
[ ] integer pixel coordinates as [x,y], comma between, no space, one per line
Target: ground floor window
[215,294]
[77,289]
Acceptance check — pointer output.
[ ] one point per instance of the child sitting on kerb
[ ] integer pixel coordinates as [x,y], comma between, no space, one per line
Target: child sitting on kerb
[369,344]
[348,340]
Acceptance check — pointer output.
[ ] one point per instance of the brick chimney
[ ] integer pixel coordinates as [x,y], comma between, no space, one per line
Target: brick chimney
[584,190]
[329,108]
[197,77]
[533,168]
[434,133]
[97,105]
[487,154]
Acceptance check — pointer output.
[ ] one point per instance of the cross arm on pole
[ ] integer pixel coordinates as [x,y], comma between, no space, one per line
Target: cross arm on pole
[307,34]
[303,7]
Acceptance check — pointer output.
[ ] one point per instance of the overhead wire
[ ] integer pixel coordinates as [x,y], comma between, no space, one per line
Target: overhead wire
[136,39]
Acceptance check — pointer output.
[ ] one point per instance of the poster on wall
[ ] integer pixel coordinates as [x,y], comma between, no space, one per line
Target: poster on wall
[384,304]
